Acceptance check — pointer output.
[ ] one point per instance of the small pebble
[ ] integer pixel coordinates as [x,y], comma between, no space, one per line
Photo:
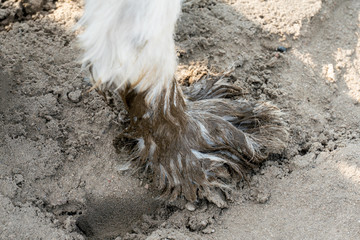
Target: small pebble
[75,96]
[281,49]
[189,206]
[263,198]
[208,230]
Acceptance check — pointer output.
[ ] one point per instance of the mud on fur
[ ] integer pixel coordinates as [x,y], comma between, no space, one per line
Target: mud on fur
[193,145]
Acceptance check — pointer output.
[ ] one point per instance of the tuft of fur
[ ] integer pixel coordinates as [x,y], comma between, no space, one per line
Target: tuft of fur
[198,147]
[191,145]
[130,42]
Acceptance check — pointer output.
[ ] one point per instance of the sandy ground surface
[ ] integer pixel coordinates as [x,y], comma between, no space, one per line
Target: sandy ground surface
[60,174]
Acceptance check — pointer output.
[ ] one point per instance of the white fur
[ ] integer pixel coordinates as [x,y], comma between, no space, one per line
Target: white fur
[174,173]
[131,42]
[152,149]
[140,144]
[200,155]
[205,134]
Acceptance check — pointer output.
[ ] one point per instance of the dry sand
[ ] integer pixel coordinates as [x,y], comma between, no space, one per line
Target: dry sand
[60,174]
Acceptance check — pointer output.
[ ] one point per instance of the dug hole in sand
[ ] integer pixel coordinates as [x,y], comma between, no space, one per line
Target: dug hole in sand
[60,174]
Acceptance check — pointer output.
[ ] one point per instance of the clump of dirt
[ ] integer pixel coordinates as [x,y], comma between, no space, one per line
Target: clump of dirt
[19,10]
[61,177]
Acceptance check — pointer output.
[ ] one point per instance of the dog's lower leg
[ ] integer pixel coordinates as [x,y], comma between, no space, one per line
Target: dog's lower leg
[189,147]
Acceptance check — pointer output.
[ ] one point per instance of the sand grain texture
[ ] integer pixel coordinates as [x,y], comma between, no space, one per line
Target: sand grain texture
[60,174]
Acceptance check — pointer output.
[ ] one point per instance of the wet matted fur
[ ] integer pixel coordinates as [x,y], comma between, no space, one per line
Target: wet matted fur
[189,145]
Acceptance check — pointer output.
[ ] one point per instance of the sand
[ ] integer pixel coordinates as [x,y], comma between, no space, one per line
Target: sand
[60,173]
